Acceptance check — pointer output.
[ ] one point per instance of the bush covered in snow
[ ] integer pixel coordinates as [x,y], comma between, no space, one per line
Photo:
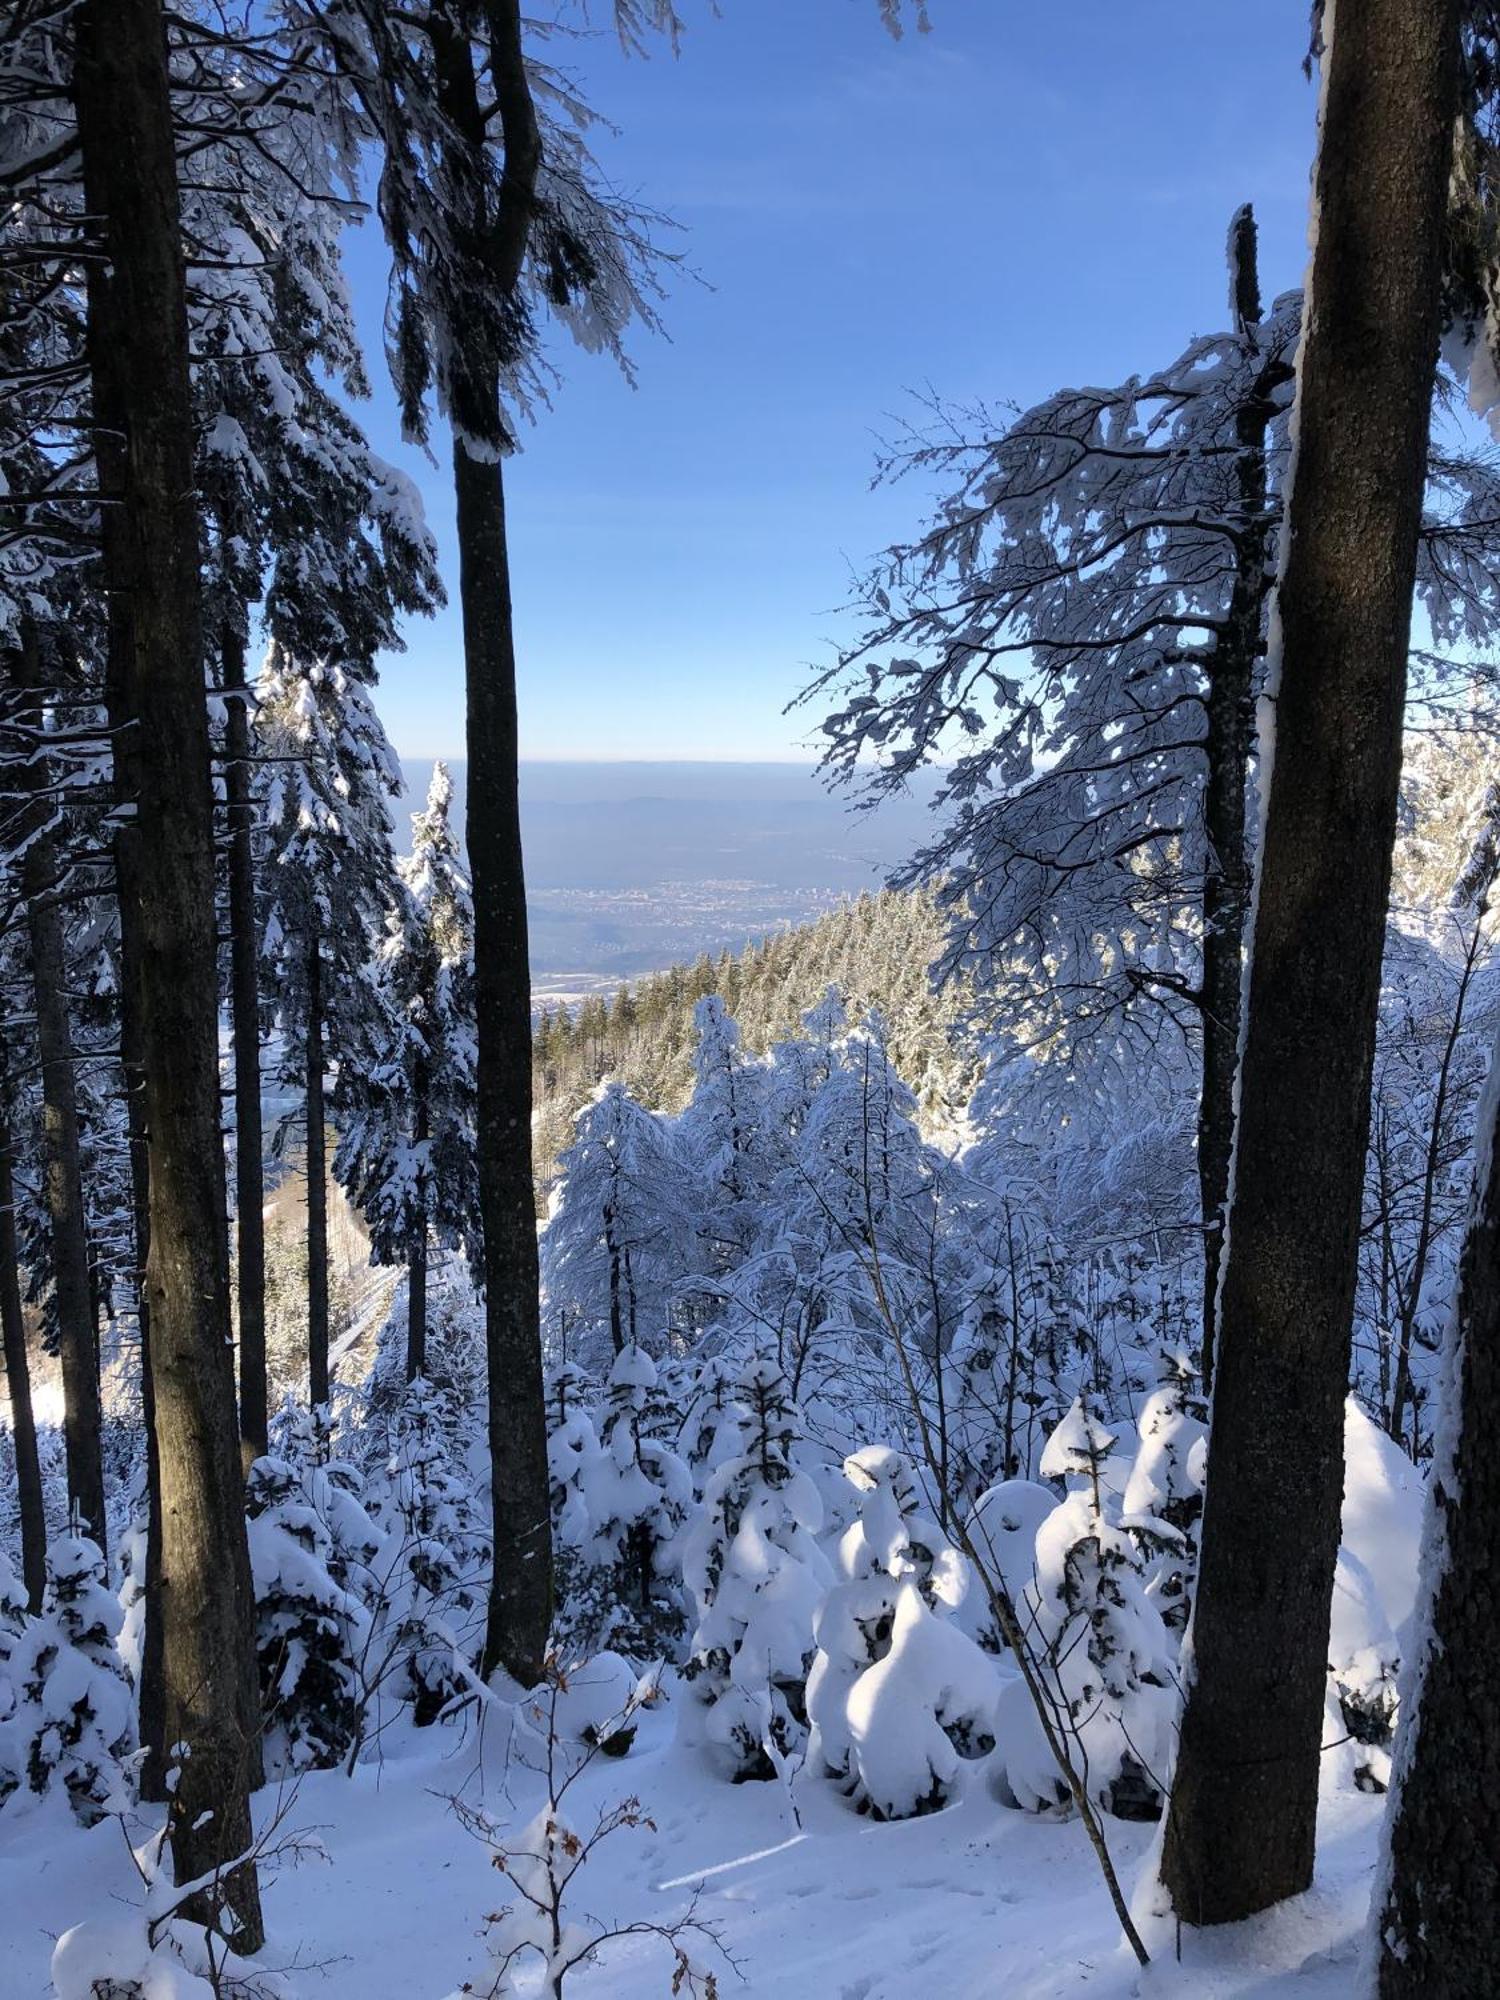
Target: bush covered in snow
[757,1577]
[426,1569]
[13,1622]
[309,1627]
[1099,1645]
[898,1694]
[621,1496]
[74,1722]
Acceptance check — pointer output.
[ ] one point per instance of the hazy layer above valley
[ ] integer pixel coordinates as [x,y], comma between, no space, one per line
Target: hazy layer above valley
[631,866]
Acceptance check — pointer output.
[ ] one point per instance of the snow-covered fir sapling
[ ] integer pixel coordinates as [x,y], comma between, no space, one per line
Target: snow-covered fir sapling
[898,1694]
[335,1487]
[757,1576]
[709,1428]
[1164,1493]
[1099,1645]
[572,1444]
[585,1582]
[309,1628]
[13,1623]
[537,1940]
[75,1717]
[637,1492]
[1002,1532]
[424,1582]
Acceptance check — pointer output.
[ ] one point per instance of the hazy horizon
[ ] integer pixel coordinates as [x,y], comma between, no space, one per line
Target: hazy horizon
[633,863]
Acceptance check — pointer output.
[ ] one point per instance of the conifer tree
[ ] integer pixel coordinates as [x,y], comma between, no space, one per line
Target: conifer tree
[1353,518]
[618,1238]
[757,1575]
[898,1695]
[406,1150]
[73,1719]
[1099,1642]
[309,1625]
[327,778]
[137,348]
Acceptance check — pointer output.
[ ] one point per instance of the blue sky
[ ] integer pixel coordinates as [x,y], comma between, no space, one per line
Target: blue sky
[1030,195]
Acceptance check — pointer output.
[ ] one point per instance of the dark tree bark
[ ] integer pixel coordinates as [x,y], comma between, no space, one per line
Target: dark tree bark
[1229,720]
[18,1376]
[62,1177]
[138,356]
[1440,1909]
[317,1186]
[151,1695]
[1241,1825]
[520,1607]
[244,1014]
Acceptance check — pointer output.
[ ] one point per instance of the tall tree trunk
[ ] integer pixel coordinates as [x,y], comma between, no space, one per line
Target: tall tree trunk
[317,1187]
[1440,1901]
[1241,1826]
[520,1606]
[73,1296]
[138,356]
[151,1696]
[244,1014]
[1229,724]
[18,1376]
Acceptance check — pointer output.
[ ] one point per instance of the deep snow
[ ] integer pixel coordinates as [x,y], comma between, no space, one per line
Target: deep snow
[978,1900]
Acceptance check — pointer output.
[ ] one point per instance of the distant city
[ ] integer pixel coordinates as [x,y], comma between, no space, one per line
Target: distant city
[633,866]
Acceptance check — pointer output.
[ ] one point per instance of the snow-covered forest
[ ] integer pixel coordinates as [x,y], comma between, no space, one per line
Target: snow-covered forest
[952,1445]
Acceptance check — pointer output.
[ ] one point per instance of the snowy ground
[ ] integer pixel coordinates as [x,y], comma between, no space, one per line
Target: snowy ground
[978,1900]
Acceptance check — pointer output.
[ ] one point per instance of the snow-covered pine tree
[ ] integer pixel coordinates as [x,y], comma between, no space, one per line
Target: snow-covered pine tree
[1098,1643]
[898,1695]
[326,779]
[638,1493]
[710,1424]
[1165,1487]
[1089,603]
[309,1628]
[498,223]
[305,525]
[720,1133]
[407,1113]
[620,1232]
[13,1622]
[427,1578]
[572,1443]
[74,1724]
[758,1576]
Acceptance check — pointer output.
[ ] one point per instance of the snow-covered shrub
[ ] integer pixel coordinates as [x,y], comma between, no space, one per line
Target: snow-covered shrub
[898,1694]
[74,1723]
[630,1494]
[757,1577]
[425,1568]
[1002,1530]
[709,1429]
[13,1623]
[572,1445]
[1098,1643]
[1364,1666]
[1164,1494]
[310,1628]
[597,1702]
